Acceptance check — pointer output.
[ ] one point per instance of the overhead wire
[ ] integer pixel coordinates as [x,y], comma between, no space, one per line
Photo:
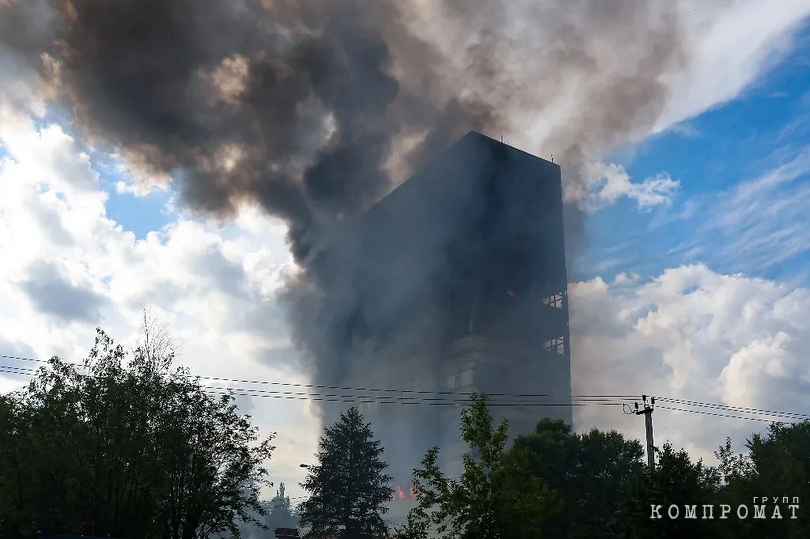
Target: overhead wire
[375,395]
[703,412]
[405,395]
[720,408]
[386,396]
[725,407]
[348,388]
[558,401]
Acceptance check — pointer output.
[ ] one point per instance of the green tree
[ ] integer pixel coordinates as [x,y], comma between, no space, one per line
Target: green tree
[781,461]
[676,480]
[121,446]
[12,474]
[213,470]
[737,477]
[495,497]
[777,465]
[348,487]
[589,472]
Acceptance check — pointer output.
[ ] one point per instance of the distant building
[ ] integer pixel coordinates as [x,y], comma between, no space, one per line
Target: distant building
[476,239]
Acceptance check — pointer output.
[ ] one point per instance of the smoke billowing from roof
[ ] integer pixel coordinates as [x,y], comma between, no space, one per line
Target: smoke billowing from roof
[314,109]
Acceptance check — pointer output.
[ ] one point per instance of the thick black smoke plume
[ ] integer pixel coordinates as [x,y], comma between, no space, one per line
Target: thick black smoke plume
[287,105]
[314,109]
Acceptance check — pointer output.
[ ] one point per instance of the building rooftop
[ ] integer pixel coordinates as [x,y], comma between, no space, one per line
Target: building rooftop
[473,156]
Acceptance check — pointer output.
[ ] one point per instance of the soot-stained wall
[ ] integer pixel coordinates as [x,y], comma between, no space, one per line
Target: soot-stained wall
[470,245]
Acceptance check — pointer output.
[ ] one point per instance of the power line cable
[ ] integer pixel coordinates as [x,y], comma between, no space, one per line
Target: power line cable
[687,402]
[586,398]
[387,396]
[703,412]
[572,400]
[355,399]
[23,371]
[345,388]
[373,399]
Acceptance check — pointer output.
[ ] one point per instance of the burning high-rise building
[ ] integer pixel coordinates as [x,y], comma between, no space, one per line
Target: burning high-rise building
[460,286]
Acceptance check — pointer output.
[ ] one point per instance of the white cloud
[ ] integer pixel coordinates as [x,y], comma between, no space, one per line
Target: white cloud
[624,278]
[693,334]
[757,225]
[609,182]
[67,267]
[138,188]
[762,222]
[733,44]
[685,130]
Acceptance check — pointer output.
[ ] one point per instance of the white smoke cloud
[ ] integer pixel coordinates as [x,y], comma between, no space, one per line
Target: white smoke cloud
[580,99]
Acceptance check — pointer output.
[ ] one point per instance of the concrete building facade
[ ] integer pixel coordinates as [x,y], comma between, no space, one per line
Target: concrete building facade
[474,242]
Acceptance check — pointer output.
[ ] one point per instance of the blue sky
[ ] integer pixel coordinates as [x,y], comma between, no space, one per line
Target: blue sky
[138,214]
[736,142]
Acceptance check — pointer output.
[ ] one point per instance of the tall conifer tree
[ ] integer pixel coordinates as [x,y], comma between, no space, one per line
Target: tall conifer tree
[349,488]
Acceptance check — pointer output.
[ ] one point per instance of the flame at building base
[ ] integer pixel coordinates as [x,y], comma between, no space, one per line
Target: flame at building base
[400,494]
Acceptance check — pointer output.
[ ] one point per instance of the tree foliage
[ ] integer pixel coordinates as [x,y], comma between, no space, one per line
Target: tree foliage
[556,483]
[676,480]
[348,487]
[589,472]
[777,464]
[495,496]
[123,447]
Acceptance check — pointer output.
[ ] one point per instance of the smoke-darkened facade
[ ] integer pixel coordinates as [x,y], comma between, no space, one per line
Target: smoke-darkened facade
[491,313]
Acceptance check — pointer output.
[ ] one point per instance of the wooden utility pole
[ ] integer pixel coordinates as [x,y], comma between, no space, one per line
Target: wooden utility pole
[647,411]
